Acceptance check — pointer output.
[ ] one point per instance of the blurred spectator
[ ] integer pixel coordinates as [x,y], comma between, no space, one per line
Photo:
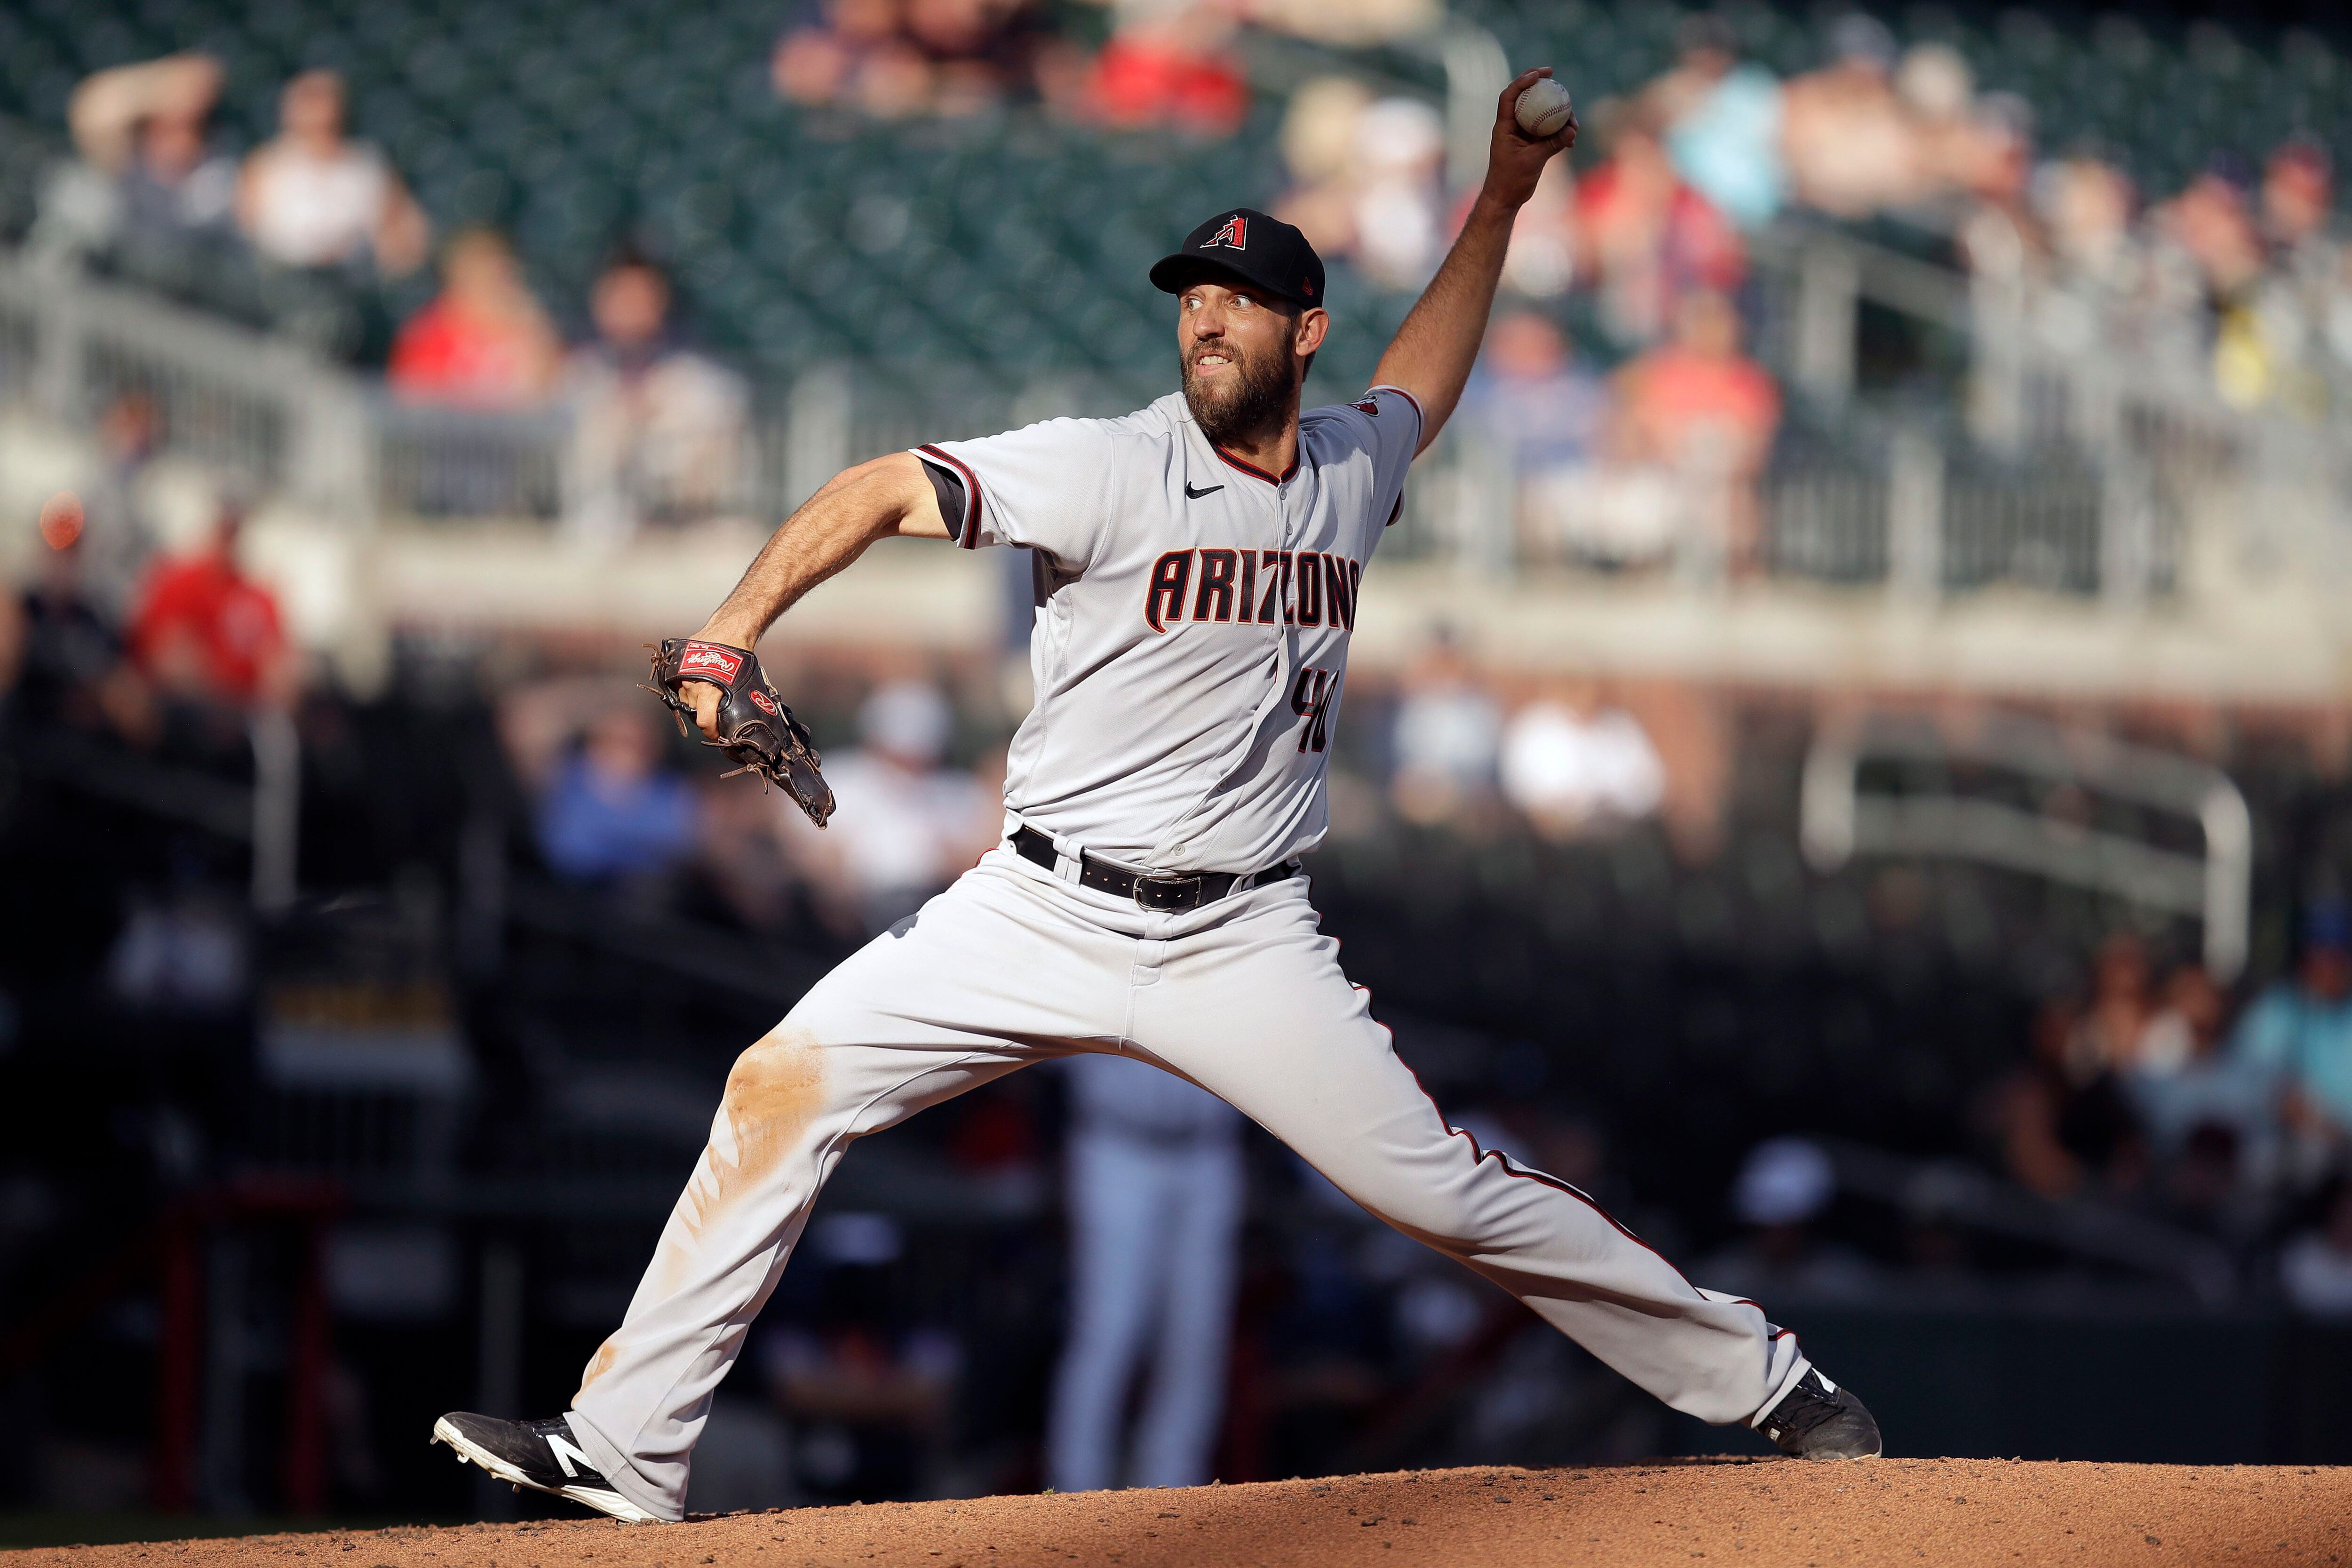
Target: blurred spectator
[2298,195]
[1319,144]
[1784,1185]
[1701,411]
[145,127]
[1571,765]
[205,632]
[2315,1269]
[1721,121]
[905,825]
[894,59]
[2298,1034]
[657,431]
[2109,1033]
[119,532]
[1545,415]
[1848,141]
[1645,241]
[2210,265]
[482,343]
[1542,261]
[2305,289]
[1155,1183]
[61,660]
[2181,1081]
[310,199]
[612,812]
[1397,193]
[1447,732]
[1356,24]
[2065,1123]
[2085,207]
[1169,62]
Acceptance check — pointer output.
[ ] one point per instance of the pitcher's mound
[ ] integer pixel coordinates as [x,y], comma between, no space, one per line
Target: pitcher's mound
[1744,1511]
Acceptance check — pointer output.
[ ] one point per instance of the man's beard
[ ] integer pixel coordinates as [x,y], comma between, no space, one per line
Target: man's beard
[1253,403]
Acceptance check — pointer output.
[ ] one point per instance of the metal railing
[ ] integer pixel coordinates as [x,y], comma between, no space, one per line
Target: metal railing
[2080,479]
[1932,816]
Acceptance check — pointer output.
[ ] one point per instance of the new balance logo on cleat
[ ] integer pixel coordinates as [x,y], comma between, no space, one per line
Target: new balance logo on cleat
[568,1455]
[540,1454]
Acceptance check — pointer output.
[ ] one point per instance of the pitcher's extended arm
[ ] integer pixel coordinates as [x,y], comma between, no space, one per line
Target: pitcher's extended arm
[1431,354]
[889,496]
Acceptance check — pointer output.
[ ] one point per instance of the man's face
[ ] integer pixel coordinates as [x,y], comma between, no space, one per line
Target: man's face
[1243,355]
[2327,971]
[313,108]
[630,305]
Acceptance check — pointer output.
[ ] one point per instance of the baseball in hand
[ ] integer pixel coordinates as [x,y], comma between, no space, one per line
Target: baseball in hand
[1543,108]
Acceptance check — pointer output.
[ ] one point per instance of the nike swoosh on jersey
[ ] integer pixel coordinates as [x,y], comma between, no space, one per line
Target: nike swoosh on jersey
[1192,494]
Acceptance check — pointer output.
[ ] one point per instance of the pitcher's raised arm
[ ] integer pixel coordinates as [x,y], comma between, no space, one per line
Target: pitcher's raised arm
[1431,354]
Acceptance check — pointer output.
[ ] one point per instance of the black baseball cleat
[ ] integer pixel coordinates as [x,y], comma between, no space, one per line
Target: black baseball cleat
[1819,1420]
[540,1454]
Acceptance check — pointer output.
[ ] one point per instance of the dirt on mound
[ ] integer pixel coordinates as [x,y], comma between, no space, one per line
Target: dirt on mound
[1767,1511]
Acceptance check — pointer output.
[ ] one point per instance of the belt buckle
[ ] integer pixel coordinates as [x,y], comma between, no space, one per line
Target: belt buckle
[1177,887]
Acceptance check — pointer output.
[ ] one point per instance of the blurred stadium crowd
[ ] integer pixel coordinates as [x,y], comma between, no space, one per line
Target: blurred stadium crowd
[1580,899]
[267,171]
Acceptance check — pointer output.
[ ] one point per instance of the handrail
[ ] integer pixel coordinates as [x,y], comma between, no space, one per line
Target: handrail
[1838,822]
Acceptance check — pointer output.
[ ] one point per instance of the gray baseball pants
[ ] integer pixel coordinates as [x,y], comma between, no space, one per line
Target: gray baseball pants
[1243,996]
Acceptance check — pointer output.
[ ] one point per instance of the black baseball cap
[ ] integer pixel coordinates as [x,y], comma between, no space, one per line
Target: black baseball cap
[1243,241]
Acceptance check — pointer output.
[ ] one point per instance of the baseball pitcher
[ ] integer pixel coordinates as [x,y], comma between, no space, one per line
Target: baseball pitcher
[1197,565]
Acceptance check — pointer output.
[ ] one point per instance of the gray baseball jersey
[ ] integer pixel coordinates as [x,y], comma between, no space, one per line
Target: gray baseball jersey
[1191,625]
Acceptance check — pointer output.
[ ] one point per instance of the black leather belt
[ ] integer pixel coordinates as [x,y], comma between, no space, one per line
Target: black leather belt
[1152,890]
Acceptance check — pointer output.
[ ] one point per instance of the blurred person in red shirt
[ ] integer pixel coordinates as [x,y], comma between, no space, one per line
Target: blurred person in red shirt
[483,341]
[1644,239]
[207,632]
[1169,63]
[1703,411]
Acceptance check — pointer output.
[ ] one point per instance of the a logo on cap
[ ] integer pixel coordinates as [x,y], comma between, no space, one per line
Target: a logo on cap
[1234,236]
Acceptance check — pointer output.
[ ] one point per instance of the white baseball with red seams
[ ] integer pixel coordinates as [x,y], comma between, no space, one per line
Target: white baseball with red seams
[1189,650]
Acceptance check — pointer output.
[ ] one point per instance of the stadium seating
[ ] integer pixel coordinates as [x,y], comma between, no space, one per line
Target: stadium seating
[802,236]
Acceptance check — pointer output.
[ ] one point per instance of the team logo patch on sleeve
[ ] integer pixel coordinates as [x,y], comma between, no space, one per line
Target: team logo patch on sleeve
[707,658]
[1234,236]
[1372,407]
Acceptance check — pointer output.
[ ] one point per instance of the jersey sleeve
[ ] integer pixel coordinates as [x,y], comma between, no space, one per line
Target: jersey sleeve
[1396,441]
[1383,427]
[1046,486]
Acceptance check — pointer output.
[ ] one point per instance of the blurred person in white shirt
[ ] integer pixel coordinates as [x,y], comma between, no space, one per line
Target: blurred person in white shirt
[657,431]
[1369,179]
[905,825]
[313,198]
[1156,1186]
[1570,765]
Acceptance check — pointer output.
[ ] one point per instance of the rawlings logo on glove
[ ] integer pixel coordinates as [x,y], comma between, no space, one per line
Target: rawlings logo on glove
[754,729]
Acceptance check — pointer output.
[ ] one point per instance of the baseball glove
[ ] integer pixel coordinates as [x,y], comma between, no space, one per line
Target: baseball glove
[755,730]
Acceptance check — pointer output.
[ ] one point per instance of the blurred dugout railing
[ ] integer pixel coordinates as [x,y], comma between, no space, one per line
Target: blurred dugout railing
[2079,474]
